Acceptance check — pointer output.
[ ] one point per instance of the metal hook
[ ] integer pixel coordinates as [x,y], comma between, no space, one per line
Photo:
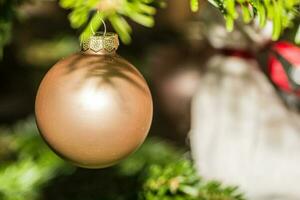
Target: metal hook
[104,25]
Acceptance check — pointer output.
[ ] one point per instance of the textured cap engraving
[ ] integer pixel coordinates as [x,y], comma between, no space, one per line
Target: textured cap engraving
[99,43]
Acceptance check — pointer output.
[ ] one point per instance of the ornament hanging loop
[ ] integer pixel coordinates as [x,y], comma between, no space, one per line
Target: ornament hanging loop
[103,22]
[100,42]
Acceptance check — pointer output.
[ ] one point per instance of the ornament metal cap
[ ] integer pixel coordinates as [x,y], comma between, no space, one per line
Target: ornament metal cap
[101,43]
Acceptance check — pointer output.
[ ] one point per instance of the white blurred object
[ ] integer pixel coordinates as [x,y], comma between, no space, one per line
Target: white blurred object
[242,133]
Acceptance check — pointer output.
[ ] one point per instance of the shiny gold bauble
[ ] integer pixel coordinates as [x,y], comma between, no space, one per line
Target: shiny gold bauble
[94,108]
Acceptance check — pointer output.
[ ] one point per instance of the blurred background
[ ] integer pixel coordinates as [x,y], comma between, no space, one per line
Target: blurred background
[225,107]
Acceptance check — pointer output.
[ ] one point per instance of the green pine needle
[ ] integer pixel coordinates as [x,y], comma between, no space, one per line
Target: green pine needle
[282,13]
[194,4]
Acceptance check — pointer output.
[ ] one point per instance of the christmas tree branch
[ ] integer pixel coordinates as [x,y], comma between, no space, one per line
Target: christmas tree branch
[179,180]
[281,12]
[83,14]
[140,11]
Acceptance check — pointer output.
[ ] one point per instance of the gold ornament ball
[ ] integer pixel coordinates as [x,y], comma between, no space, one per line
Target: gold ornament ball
[94,108]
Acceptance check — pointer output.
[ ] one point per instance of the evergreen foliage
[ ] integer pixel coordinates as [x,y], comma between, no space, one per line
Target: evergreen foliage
[84,15]
[179,180]
[280,12]
[158,170]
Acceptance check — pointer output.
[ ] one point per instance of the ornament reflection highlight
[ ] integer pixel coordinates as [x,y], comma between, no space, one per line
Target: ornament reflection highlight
[92,98]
